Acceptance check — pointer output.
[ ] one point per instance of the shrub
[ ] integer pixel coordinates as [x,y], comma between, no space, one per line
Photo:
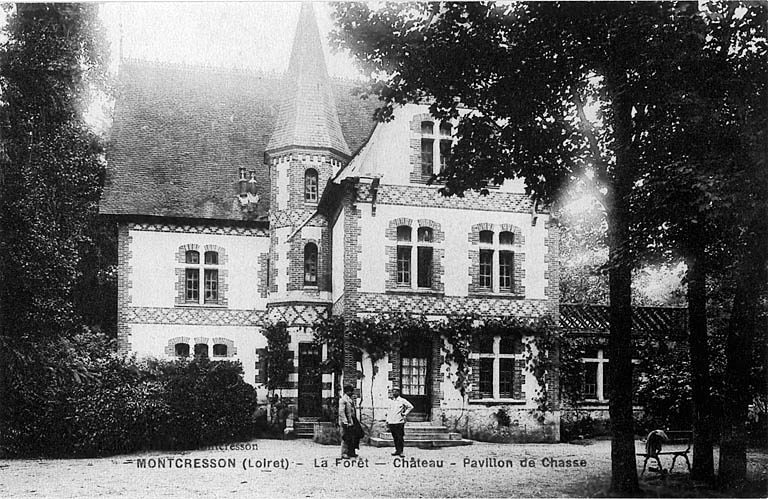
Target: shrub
[119,405]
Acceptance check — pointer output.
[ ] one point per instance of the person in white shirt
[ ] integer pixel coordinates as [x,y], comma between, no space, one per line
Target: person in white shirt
[398,410]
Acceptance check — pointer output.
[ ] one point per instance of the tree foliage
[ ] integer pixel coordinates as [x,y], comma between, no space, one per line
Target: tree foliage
[529,72]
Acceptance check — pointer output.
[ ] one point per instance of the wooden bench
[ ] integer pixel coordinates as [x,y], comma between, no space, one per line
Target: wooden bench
[677,439]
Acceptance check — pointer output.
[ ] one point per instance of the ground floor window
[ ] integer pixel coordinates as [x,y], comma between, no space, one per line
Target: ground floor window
[595,385]
[499,362]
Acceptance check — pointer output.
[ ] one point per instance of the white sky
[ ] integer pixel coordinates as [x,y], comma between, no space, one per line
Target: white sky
[256,35]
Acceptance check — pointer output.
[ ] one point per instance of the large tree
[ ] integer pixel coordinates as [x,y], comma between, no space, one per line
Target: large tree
[706,189]
[52,62]
[530,71]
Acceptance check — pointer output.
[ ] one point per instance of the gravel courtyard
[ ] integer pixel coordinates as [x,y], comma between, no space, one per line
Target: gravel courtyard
[296,469]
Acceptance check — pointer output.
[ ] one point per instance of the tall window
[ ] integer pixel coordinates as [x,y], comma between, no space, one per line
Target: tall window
[496,361]
[310,264]
[403,255]
[446,140]
[595,382]
[506,266]
[486,259]
[496,258]
[424,255]
[435,147]
[427,148]
[181,349]
[207,271]
[310,186]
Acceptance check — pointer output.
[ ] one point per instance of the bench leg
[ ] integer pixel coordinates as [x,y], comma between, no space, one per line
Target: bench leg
[645,462]
[661,468]
[674,458]
[687,462]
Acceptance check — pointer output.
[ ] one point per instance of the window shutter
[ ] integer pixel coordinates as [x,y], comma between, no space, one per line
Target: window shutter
[518,381]
[262,366]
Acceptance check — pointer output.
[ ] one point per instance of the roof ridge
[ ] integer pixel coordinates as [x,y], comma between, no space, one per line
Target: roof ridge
[199,68]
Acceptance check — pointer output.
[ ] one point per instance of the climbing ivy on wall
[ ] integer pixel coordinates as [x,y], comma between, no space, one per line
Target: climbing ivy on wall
[279,359]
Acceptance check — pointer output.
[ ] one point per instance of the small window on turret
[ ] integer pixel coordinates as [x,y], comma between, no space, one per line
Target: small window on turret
[310,264]
[310,186]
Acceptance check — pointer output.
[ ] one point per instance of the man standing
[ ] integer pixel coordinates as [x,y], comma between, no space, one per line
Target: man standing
[347,423]
[398,410]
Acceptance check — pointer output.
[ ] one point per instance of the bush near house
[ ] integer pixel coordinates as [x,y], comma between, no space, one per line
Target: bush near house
[123,405]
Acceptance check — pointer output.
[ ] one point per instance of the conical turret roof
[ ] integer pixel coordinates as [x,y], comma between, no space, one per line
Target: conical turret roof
[308,115]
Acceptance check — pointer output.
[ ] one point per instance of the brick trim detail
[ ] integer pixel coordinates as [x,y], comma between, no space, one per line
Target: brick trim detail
[124,284]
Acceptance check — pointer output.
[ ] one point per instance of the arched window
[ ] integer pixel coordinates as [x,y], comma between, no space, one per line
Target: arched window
[310,186]
[486,259]
[310,264]
[424,253]
[403,255]
[181,349]
[446,141]
[427,147]
[201,350]
[219,350]
[207,270]
[506,260]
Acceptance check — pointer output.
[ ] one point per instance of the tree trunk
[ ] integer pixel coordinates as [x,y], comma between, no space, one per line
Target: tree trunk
[751,278]
[703,463]
[623,466]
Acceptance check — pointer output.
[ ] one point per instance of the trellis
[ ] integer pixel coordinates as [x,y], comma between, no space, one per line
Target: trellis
[670,322]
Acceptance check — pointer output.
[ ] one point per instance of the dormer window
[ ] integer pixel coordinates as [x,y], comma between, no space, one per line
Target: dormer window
[436,143]
[310,186]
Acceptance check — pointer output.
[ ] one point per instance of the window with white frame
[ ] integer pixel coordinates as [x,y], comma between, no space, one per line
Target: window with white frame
[595,385]
[435,146]
[424,257]
[496,361]
[310,186]
[310,264]
[205,272]
[496,262]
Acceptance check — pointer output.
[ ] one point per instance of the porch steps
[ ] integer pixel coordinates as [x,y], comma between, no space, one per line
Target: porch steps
[305,428]
[423,435]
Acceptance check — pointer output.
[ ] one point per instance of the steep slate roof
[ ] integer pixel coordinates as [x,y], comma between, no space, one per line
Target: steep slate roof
[308,115]
[181,133]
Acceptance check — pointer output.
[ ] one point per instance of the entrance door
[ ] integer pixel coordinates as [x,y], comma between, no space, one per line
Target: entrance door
[415,379]
[310,381]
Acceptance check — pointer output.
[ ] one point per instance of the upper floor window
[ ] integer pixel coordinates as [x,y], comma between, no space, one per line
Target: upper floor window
[403,255]
[435,147]
[207,272]
[424,255]
[310,186]
[496,258]
[219,350]
[310,264]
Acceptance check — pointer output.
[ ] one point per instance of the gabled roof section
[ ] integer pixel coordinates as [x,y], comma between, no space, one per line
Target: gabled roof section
[180,134]
[308,116]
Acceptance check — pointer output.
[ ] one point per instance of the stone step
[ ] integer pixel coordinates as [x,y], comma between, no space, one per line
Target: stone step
[422,444]
[424,436]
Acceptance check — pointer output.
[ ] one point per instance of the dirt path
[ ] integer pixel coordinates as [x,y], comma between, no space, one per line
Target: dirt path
[301,468]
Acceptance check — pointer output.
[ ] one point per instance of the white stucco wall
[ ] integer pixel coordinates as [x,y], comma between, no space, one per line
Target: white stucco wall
[150,340]
[153,263]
